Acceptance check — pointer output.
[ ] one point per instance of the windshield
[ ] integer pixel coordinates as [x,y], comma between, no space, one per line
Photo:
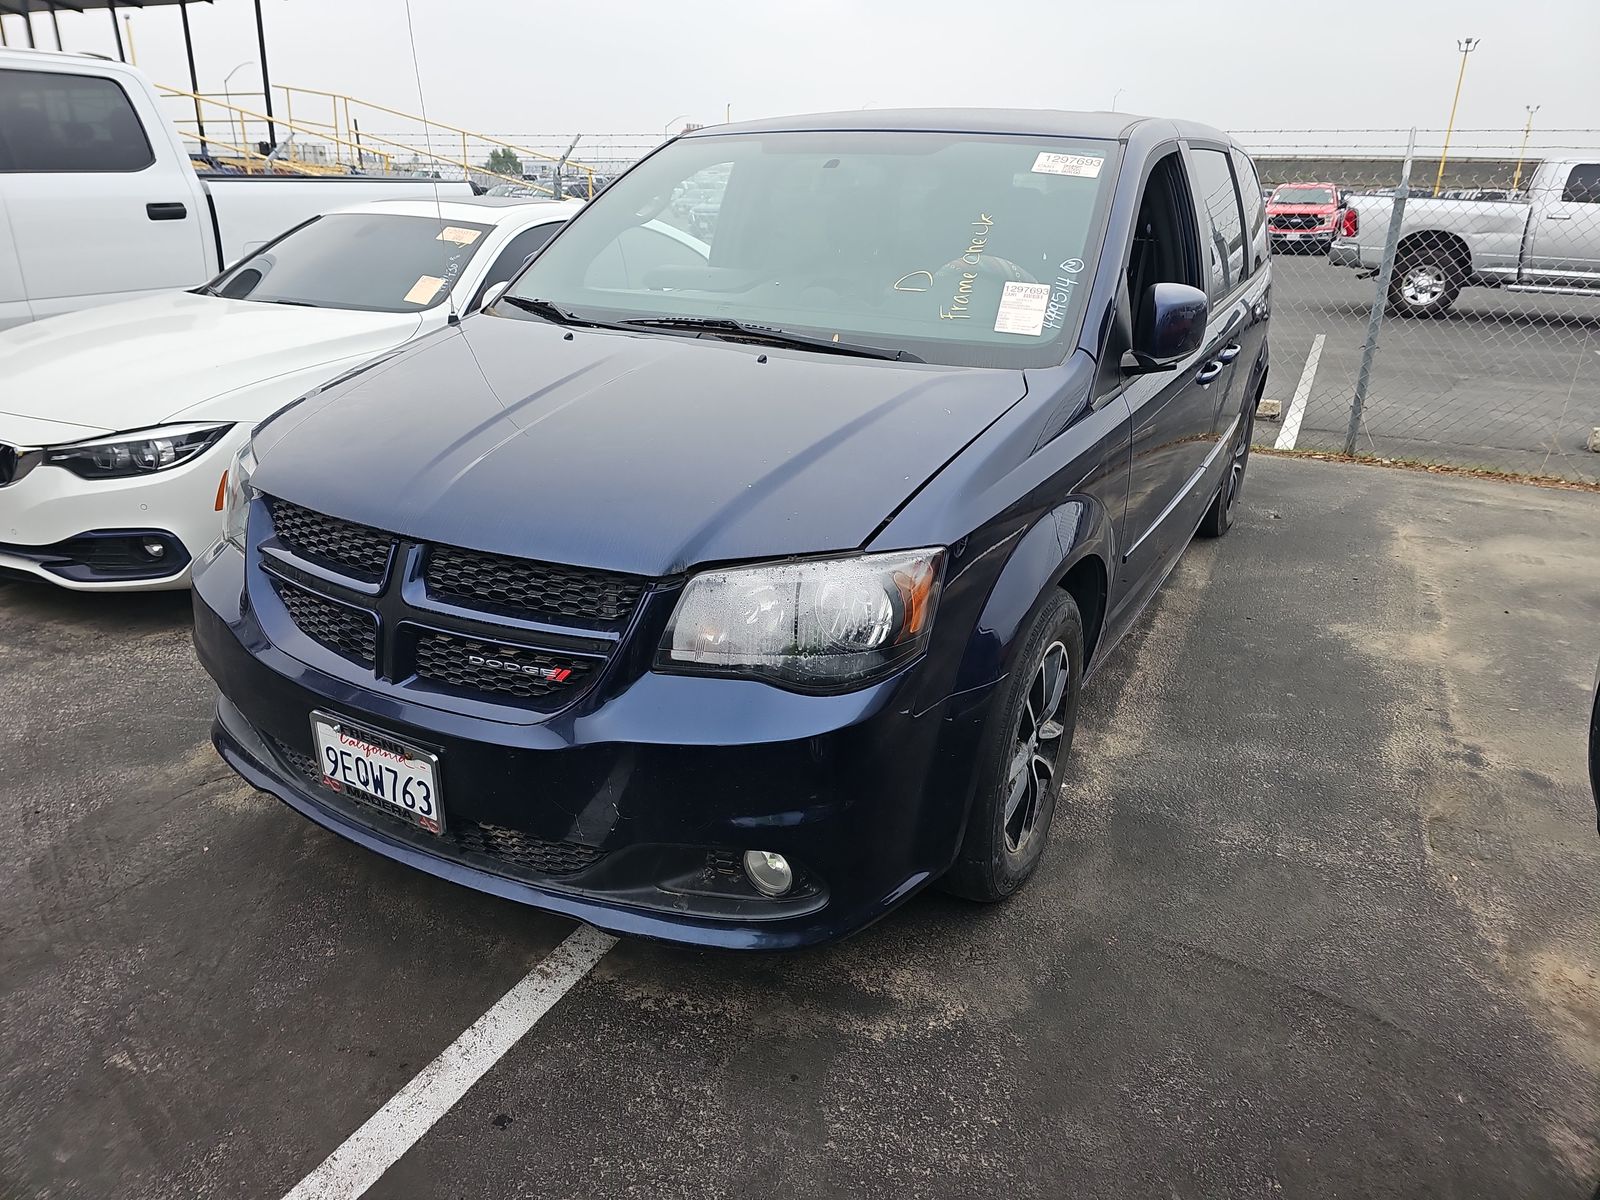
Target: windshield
[1303,195]
[959,249]
[374,261]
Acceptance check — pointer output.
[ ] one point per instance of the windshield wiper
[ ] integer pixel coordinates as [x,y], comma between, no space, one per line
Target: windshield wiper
[553,312]
[768,336]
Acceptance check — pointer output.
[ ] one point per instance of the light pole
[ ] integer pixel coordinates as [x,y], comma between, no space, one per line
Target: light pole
[235,122]
[1522,153]
[1466,46]
[1117,97]
[666,130]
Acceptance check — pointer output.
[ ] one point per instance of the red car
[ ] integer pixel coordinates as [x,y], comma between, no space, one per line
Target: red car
[1304,215]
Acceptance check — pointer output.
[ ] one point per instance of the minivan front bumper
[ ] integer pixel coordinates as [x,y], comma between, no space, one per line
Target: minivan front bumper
[645,803]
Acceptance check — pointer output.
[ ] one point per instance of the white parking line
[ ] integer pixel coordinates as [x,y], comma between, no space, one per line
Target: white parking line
[398,1125]
[1290,433]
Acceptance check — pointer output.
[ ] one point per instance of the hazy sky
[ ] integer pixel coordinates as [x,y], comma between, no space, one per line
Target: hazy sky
[604,66]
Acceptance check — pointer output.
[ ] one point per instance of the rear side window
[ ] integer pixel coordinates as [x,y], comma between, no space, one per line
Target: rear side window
[53,122]
[1255,210]
[517,251]
[1583,185]
[1221,219]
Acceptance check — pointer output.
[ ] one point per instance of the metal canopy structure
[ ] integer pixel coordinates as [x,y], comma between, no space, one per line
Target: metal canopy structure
[27,8]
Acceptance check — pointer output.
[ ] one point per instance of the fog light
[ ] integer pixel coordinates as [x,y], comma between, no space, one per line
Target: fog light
[155,549]
[769,872]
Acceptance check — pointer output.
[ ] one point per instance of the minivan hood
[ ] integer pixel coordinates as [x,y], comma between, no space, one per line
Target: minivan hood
[634,453]
[135,364]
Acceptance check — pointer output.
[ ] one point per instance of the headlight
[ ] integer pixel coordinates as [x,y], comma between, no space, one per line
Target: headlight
[822,624]
[128,454]
[236,504]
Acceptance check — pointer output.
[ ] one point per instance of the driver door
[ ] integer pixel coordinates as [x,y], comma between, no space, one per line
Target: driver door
[1172,411]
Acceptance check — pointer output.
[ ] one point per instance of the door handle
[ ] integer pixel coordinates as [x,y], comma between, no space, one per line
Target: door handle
[1208,372]
[173,210]
[1549,216]
[1228,353]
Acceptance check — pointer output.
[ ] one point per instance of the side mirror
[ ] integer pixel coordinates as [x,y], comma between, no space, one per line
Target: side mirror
[494,291]
[1168,327]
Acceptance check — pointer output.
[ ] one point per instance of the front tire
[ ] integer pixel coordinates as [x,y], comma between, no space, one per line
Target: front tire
[1026,739]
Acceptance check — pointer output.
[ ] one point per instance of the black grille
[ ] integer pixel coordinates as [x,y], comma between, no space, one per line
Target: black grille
[474,666]
[522,851]
[301,762]
[519,585]
[356,549]
[1297,221]
[352,632]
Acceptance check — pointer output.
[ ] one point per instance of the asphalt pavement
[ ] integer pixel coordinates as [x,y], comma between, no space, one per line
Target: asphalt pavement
[1509,381]
[1318,920]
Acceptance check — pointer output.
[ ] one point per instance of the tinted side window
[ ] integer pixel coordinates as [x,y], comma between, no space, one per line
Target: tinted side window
[518,250]
[54,122]
[1255,210]
[1583,185]
[1221,220]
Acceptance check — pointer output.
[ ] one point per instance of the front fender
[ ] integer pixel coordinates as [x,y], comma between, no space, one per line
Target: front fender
[1075,530]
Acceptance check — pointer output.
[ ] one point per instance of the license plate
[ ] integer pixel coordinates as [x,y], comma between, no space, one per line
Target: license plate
[376,768]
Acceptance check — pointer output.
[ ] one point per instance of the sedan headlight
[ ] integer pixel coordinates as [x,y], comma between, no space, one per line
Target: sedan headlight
[236,501]
[823,624]
[124,455]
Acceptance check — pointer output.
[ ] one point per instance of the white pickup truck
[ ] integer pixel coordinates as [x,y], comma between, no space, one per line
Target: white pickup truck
[99,201]
[1548,242]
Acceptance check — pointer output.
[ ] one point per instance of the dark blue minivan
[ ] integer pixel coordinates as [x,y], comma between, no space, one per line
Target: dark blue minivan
[735,573]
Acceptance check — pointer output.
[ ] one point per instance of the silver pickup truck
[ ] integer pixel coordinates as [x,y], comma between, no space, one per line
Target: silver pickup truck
[1547,242]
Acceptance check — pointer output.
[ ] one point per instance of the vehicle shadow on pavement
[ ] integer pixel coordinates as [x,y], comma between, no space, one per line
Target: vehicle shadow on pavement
[91,613]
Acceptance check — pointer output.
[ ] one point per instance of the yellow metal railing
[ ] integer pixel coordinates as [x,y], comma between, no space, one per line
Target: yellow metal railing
[354,147]
[236,119]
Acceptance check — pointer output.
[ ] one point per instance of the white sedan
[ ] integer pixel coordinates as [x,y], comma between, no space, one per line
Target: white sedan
[117,424]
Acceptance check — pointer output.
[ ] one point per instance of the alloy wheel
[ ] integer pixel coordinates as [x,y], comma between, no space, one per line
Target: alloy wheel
[1241,459]
[1036,751]
[1423,284]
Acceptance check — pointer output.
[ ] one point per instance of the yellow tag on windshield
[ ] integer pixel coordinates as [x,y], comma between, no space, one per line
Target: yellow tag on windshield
[461,237]
[424,289]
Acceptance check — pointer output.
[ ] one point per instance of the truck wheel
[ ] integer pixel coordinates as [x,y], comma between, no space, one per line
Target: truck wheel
[1026,739]
[1425,284]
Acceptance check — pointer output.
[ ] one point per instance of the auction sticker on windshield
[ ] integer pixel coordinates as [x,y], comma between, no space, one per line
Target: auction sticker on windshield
[379,770]
[1086,166]
[1022,308]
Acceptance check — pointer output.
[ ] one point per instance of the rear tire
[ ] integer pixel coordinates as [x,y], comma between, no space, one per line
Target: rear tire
[1425,283]
[1026,739]
[1219,517]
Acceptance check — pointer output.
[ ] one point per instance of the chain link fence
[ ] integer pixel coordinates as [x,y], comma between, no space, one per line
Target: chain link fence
[1444,316]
